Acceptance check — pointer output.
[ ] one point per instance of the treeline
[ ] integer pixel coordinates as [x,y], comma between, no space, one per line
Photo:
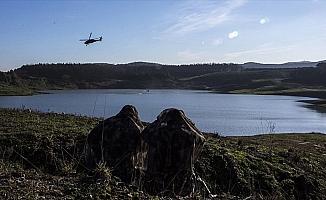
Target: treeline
[131,71]
[212,76]
[9,78]
[132,75]
[310,76]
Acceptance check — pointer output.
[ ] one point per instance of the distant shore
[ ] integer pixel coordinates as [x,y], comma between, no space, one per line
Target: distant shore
[319,104]
[320,94]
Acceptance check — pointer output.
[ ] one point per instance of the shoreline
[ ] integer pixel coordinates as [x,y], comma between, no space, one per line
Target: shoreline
[319,104]
[98,119]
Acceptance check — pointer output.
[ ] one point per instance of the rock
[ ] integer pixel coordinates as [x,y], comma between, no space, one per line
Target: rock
[115,140]
[170,146]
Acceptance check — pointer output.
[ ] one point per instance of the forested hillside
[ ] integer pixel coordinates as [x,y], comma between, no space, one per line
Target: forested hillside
[310,76]
[132,75]
[218,77]
[100,72]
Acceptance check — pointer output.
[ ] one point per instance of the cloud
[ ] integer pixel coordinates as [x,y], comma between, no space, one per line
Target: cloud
[203,16]
[217,42]
[233,34]
[264,20]
[265,49]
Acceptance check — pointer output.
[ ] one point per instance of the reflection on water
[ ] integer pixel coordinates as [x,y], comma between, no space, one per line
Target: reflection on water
[228,114]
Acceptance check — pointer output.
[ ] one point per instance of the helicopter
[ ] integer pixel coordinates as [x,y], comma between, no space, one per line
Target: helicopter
[91,40]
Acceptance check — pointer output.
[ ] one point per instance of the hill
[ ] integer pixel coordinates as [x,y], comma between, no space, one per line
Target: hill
[253,65]
[302,81]
[132,75]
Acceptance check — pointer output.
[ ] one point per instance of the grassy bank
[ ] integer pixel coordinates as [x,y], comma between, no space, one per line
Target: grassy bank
[278,90]
[12,90]
[319,105]
[273,166]
[41,157]
[42,153]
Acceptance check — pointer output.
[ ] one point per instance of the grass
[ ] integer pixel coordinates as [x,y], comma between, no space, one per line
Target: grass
[272,165]
[12,90]
[284,90]
[41,157]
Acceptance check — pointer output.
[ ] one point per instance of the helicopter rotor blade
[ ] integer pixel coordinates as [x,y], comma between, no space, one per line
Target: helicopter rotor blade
[83,40]
[98,38]
[90,35]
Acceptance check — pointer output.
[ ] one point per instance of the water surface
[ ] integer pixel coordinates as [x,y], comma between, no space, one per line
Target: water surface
[227,114]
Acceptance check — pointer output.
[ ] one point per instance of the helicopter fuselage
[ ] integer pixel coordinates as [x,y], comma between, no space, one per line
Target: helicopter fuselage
[90,41]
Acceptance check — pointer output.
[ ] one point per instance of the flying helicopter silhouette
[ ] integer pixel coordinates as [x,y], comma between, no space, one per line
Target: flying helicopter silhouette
[91,40]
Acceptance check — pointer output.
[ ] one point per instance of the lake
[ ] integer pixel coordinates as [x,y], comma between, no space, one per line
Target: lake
[226,114]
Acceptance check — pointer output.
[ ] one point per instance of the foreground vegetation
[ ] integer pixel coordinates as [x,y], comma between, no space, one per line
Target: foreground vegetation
[42,158]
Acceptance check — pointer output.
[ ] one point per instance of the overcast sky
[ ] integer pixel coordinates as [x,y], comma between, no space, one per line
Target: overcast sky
[170,32]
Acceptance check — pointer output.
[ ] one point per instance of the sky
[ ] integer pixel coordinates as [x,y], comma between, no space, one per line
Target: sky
[168,32]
